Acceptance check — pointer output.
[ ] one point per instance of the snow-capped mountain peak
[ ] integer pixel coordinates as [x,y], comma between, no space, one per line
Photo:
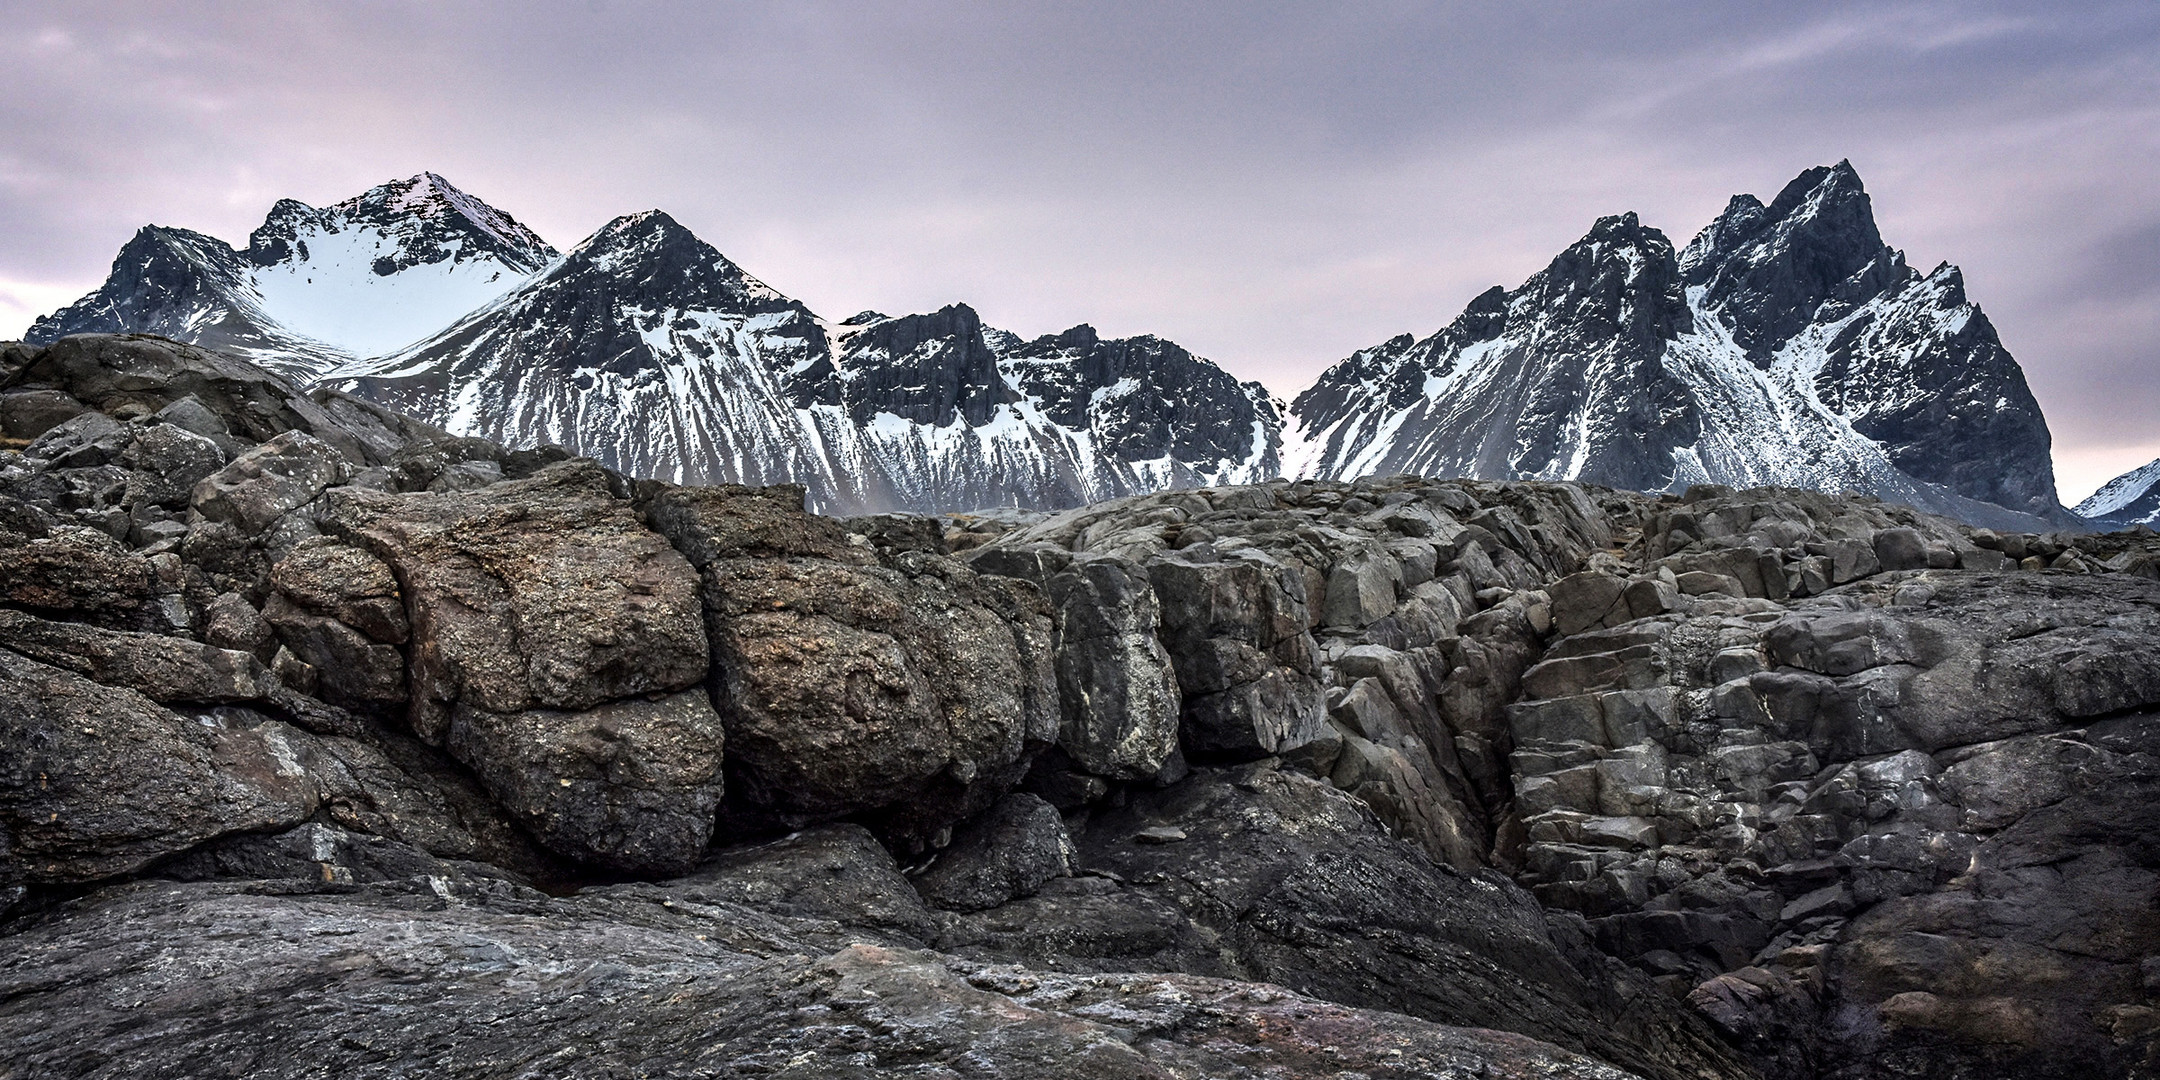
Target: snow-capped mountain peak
[1787,345]
[317,288]
[664,262]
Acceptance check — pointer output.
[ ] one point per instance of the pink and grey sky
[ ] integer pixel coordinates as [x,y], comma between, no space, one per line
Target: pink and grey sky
[1271,185]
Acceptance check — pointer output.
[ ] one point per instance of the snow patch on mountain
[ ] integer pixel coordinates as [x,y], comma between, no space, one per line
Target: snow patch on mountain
[2130,499]
[316,288]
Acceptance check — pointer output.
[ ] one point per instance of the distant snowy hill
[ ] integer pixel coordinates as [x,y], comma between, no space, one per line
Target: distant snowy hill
[2128,500]
[315,288]
[1786,345]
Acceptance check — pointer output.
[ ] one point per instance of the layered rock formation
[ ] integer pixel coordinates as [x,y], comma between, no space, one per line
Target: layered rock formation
[335,743]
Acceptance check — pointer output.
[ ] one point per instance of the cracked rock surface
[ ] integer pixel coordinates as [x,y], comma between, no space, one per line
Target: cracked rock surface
[332,745]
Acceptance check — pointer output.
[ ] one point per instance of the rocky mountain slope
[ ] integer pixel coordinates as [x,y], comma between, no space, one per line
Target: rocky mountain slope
[1786,345]
[332,742]
[315,288]
[655,354]
[2128,500]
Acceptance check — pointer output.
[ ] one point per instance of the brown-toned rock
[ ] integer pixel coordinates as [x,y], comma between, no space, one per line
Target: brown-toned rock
[544,593]
[908,698]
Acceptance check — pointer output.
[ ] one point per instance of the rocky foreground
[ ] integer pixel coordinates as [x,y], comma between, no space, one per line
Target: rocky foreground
[334,746]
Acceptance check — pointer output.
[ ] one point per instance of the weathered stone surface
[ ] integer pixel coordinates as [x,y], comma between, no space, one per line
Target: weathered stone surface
[543,593]
[269,481]
[1901,549]
[1008,852]
[339,610]
[662,989]
[1582,601]
[97,781]
[1118,693]
[1236,631]
[729,522]
[349,668]
[914,697]
[346,583]
[1334,907]
[1864,775]
[230,622]
[138,374]
[76,572]
[164,669]
[167,461]
[629,785]
[837,873]
[1117,688]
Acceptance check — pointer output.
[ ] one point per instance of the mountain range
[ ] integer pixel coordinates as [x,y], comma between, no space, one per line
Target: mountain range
[1786,344]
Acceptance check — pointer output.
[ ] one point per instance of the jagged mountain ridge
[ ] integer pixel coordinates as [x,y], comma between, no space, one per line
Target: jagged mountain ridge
[315,287]
[2129,500]
[651,351]
[1786,345]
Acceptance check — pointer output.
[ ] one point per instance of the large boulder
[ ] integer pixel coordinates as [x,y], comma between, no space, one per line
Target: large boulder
[530,599]
[1117,687]
[909,696]
[912,699]
[541,593]
[97,781]
[629,785]
[1007,853]
[269,481]
[78,573]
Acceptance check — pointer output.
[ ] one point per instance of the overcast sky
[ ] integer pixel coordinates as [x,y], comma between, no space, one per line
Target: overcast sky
[1270,187]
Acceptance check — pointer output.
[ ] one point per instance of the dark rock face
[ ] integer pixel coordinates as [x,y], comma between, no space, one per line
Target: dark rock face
[1785,345]
[309,702]
[927,368]
[1142,398]
[591,985]
[632,785]
[854,689]
[181,284]
[540,611]
[101,781]
[1009,852]
[1117,687]
[911,693]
